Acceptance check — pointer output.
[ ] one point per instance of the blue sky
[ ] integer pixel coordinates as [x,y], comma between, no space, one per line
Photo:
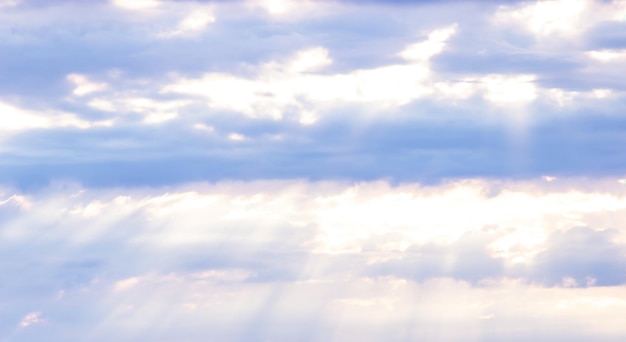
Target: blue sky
[312,170]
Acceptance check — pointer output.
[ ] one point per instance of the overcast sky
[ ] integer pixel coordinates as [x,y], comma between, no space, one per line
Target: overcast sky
[312,170]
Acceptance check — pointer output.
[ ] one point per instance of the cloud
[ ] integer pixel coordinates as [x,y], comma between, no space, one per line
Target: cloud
[235,256]
[432,46]
[193,24]
[280,88]
[309,60]
[290,10]
[544,18]
[408,146]
[153,111]
[496,128]
[18,119]
[30,319]
[136,5]
[607,55]
[561,17]
[84,86]
[9,3]
[508,227]
[582,255]
[495,89]
[275,7]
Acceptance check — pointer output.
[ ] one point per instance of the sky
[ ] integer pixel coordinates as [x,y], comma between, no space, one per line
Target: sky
[312,170]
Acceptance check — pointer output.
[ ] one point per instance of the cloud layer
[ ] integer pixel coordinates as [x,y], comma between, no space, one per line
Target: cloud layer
[321,261]
[454,89]
[281,170]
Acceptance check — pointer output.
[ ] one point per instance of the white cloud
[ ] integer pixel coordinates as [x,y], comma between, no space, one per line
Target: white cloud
[274,92]
[547,17]
[107,98]
[204,128]
[569,282]
[136,5]
[560,18]
[217,255]
[153,111]
[575,99]
[193,24]
[602,93]
[17,119]
[549,178]
[290,9]
[9,3]
[228,275]
[276,7]
[20,201]
[462,89]
[432,46]
[292,85]
[296,88]
[309,60]
[561,97]
[237,137]
[126,284]
[498,89]
[607,55]
[30,319]
[84,86]
[501,89]
[347,218]
[349,309]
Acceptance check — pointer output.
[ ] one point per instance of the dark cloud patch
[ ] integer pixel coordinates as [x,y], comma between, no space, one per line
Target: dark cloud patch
[399,148]
[466,259]
[506,63]
[571,146]
[608,35]
[582,254]
[326,152]
[274,252]
[588,256]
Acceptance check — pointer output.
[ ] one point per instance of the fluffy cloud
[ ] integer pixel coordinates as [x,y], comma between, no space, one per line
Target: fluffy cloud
[294,85]
[547,17]
[561,17]
[513,224]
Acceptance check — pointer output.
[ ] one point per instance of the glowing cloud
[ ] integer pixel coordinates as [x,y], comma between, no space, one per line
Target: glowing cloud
[309,60]
[510,89]
[17,119]
[547,17]
[608,55]
[293,85]
[84,86]
[153,111]
[432,46]
[193,24]
[136,4]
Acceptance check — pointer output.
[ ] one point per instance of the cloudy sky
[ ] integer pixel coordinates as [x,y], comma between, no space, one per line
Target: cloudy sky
[312,170]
